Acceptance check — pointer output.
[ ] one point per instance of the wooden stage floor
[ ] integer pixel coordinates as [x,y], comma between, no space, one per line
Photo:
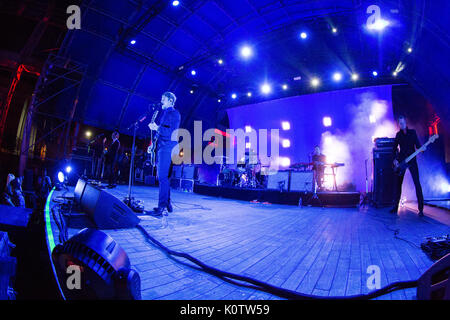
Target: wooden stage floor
[320,251]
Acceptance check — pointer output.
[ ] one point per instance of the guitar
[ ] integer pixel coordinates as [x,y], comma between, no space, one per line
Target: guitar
[151,148]
[401,167]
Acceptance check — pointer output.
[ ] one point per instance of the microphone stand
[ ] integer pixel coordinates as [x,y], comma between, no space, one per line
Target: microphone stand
[129,200]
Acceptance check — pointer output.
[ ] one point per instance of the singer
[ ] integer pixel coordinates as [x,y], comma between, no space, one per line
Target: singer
[170,121]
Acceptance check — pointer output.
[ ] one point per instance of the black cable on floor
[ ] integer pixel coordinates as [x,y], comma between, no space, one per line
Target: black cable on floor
[277,291]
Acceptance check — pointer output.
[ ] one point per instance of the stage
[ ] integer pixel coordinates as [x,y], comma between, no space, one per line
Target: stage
[313,250]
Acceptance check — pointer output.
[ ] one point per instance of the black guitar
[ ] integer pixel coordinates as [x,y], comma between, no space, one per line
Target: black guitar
[402,166]
[154,138]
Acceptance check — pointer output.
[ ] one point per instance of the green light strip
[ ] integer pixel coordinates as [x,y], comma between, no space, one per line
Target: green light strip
[48,226]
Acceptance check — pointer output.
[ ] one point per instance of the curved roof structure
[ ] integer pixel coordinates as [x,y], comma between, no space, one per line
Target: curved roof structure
[124,76]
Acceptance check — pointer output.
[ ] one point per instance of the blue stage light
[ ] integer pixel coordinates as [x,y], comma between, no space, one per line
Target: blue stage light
[133,42]
[266,88]
[68,169]
[246,52]
[375,73]
[175,3]
[303,35]
[286,125]
[234,96]
[337,76]
[327,121]
[249,94]
[315,82]
[286,143]
[220,61]
[61,177]
[355,76]
[284,86]
[193,72]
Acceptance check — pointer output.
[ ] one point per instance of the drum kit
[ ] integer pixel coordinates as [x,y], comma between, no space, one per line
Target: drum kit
[247,173]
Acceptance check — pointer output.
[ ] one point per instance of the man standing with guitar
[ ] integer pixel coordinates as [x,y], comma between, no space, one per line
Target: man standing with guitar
[407,140]
[170,121]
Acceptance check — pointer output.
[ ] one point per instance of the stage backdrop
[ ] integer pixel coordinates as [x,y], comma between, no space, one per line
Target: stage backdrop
[357,116]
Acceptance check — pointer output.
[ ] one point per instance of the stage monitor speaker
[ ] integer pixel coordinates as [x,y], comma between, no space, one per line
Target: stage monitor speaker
[176,172]
[188,172]
[384,177]
[279,181]
[106,210]
[79,189]
[302,181]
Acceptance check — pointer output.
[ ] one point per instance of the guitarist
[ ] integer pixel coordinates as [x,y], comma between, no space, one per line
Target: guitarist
[407,140]
[170,121]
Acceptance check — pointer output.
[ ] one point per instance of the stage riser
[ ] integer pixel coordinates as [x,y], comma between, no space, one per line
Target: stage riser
[343,199]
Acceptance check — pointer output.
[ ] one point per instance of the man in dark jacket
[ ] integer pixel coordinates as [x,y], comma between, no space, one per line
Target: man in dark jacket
[170,121]
[111,159]
[408,142]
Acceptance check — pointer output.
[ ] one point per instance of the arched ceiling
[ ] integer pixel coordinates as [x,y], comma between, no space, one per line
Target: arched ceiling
[123,78]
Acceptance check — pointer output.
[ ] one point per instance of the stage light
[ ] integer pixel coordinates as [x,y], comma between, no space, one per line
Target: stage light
[220,61]
[88,134]
[266,88]
[193,72]
[285,162]
[234,96]
[248,129]
[284,86]
[379,25]
[285,125]
[248,145]
[133,42]
[191,91]
[175,3]
[375,74]
[394,73]
[68,169]
[334,30]
[337,76]
[303,35]
[326,121]
[315,82]
[410,50]
[246,52]
[249,94]
[355,76]
[286,143]
[219,101]
[61,177]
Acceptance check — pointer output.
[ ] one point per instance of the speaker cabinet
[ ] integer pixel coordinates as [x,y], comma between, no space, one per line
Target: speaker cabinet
[106,210]
[384,177]
[302,181]
[279,181]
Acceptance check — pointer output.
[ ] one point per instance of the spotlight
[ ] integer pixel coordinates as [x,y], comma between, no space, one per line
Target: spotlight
[355,76]
[285,162]
[303,35]
[286,143]
[379,25]
[234,96]
[220,61]
[315,82]
[334,30]
[375,74]
[61,177]
[133,42]
[286,125]
[266,88]
[193,72]
[410,50]
[326,121]
[88,134]
[249,94]
[248,129]
[219,101]
[284,86]
[175,3]
[337,76]
[394,73]
[68,169]
[191,92]
[246,52]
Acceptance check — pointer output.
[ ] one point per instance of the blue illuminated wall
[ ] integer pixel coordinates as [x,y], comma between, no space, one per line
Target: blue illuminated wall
[357,115]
